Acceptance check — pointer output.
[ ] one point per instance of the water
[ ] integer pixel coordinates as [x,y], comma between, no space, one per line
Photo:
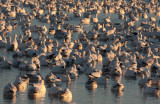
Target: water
[132,93]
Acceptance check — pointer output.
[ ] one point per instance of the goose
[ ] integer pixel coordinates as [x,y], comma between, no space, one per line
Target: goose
[73,72]
[54,90]
[144,15]
[144,81]
[37,90]
[34,77]
[32,66]
[89,68]
[157,13]
[102,80]
[99,56]
[117,86]
[145,71]
[115,67]
[153,19]
[95,20]
[20,84]
[64,78]
[30,52]
[4,63]
[58,69]
[155,80]
[66,51]
[85,21]
[17,53]
[50,77]
[14,44]
[102,29]
[44,29]
[66,95]
[49,45]
[155,67]
[91,84]
[131,73]
[9,90]
[80,69]
[8,46]
[97,26]
[57,56]
[151,90]
[116,71]
[24,77]
[78,29]
[77,14]
[107,20]
[43,60]
[42,48]
[3,42]
[35,28]
[52,30]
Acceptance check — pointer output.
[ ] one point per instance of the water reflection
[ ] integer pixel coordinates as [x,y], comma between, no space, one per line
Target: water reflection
[151,95]
[9,99]
[54,99]
[118,93]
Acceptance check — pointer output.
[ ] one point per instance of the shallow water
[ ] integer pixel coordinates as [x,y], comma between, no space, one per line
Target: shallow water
[132,93]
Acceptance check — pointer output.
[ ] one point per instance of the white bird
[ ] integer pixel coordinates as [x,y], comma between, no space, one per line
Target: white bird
[9,90]
[20,84]
[65,95]
[151,90]
[117,86]
[54,90]
[37,90]
[91,84]
[4,63]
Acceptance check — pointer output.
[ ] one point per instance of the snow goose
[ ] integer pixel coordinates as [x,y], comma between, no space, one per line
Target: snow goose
[151,90]
[4,63]
[3,42]
[20,84]
[117,86]
[32,66]
[24,77]
[57,56]
[95,20]
[50,77]
[17,53]
[34,77]
[58,69]
[54,90]
[78,29]
[9,90]
[115,68]
[91,84]
[99,78]
[42,48]
[155,68]
[14,44]
[64,77]
[131,73]
[37,90]
[144,81]
[73,72]
[65,95]
[85,21]
[43,60]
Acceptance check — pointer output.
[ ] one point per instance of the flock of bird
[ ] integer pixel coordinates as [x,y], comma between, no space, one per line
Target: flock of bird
[124,49]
